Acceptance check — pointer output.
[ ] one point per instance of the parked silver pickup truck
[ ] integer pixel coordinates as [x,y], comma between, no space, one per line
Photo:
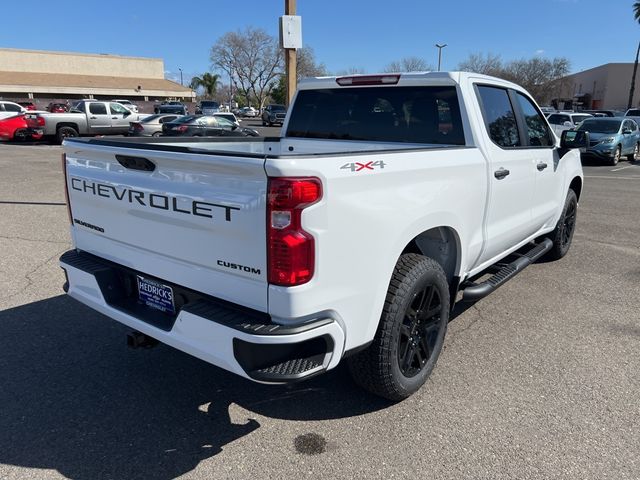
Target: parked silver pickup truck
[87,118]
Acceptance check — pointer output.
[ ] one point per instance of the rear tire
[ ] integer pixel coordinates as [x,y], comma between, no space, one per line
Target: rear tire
[65,132]
[156,134]
[411,331]
[562,235]
[632,157]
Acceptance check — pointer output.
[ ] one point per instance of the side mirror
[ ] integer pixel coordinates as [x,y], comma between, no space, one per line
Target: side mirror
[574,139]
[126,113]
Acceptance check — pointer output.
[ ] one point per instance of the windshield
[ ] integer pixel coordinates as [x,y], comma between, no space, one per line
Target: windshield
[210,104]
[278,108]
[600,126]
[633,113]
[383,114]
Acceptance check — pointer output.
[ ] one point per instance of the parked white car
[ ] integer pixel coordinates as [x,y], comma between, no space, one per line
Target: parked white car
[10,109]
[127,103]
[561,121]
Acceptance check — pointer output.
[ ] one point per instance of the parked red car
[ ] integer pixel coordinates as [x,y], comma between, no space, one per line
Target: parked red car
[20,127]
[28,105]
[57,108]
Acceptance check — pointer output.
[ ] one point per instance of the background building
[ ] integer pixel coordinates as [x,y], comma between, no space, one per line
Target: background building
[603,87]
[43,77]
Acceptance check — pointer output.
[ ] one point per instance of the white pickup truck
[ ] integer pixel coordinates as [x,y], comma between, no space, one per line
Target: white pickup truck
[351,236]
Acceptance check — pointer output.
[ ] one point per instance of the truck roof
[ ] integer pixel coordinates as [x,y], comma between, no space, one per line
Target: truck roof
[403,79]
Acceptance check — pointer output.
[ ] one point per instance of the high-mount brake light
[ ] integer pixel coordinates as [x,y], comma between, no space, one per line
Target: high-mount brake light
[291,250]
[368,80]
[66,187]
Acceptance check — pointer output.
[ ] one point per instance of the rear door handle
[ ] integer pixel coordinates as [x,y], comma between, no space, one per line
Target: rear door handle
[114,118]
[93,118]
[501,173]
[541,166]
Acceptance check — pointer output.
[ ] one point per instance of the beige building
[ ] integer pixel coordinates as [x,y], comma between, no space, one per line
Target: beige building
[603,87]
[43,76]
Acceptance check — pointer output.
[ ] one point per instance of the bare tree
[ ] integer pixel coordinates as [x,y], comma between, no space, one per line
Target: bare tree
[542,77]
[539,76]
[488,64]
[307,66]
[351,71]
[252,59]
[408,64]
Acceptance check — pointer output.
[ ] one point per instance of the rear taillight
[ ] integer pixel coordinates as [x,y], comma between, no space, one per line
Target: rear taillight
[181,128]
[41,121]
[66,187]
[137,127]
[291,250]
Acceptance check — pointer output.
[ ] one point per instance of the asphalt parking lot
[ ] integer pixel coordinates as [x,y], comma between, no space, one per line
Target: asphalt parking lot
[539,380]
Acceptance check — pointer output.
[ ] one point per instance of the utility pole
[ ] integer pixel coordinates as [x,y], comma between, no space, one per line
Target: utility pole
[290,57]
[180,76]
[440,47]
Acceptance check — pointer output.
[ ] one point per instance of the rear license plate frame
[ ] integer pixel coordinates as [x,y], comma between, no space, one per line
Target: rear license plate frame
[156,295]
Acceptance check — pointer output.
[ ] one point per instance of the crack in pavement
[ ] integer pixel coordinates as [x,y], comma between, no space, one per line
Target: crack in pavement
[7,237]
[27,276]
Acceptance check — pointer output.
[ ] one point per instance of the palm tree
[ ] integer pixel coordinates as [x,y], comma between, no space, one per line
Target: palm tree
[636,16]
[207,81]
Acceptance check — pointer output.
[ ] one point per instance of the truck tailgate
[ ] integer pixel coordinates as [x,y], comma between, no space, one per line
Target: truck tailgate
[197,220]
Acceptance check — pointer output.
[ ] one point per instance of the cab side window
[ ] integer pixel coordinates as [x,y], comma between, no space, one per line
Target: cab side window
[537,131]
[499,116]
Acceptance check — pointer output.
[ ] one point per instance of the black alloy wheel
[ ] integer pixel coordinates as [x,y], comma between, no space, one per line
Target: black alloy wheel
[419,331]
[411,331]
[562,235]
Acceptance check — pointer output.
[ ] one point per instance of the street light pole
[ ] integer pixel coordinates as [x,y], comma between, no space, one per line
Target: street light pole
[440,47]
[180,76]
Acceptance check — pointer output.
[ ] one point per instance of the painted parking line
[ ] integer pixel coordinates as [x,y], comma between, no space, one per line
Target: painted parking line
[621,168]
[613,177]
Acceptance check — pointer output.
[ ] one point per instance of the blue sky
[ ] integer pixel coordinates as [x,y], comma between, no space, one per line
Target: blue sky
[344,34]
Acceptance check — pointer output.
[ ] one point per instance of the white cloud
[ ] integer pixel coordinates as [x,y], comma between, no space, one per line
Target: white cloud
[539,52]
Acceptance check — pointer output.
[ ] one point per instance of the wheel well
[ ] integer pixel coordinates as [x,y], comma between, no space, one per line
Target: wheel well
[576,186]
[72,125]
[441,244]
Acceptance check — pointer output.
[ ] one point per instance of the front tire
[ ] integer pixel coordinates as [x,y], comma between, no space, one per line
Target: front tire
[562,235]
[411,332]
[616,156]
[634,156]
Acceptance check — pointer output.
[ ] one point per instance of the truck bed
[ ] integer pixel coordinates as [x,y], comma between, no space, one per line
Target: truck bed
[263,147]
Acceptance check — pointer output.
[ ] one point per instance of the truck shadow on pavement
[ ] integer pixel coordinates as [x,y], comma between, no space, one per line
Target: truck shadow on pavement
[73,398]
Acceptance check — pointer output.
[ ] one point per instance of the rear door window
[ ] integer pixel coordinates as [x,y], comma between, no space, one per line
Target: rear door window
[98,108]
[9,107]
[428,115]
[499,116]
